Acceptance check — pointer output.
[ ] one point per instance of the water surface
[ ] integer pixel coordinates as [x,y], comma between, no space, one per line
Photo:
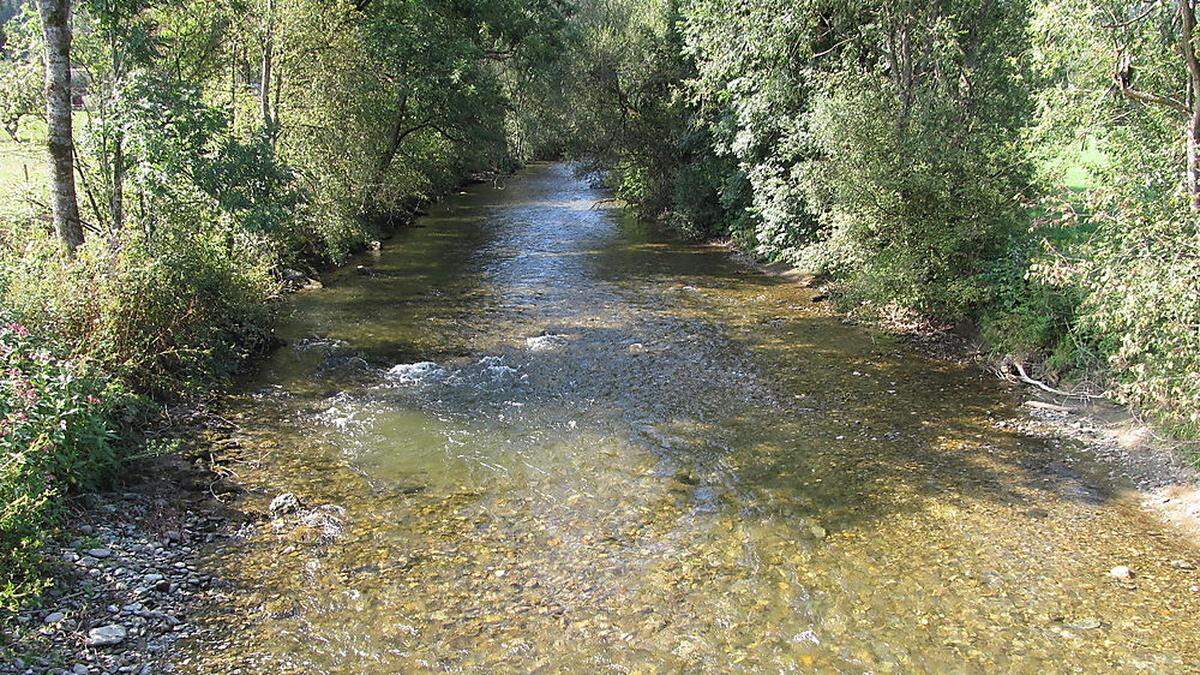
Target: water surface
[563,441]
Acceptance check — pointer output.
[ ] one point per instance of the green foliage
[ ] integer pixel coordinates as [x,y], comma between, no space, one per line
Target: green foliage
[921,218]
[54,437]
[1135,271]
[21,75]
[813,133]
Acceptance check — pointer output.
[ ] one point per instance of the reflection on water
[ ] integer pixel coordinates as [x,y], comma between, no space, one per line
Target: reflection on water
[563,441]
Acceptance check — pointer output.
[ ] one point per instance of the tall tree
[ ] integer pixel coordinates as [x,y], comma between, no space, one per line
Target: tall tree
[56,26]
[1187,103]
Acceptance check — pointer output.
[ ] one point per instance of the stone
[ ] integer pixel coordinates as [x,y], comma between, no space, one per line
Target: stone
[80,669]
[1182,565]
[112,634]
[1121,572]
[99,553]
[54,617]
[284,504]
[293,276]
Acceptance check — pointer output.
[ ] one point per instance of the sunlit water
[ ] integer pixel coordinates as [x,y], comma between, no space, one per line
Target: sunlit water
[564,442]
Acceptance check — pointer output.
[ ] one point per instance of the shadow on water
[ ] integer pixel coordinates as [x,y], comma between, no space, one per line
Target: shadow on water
[565,441]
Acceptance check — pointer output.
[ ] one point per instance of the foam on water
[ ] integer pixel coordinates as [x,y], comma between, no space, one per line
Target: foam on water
[416,373]
[545,342]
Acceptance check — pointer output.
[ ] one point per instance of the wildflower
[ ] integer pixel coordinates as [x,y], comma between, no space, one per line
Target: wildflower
[18,329]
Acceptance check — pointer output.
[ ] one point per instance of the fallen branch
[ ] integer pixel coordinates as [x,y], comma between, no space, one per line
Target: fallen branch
[1042,405]
[1024,377]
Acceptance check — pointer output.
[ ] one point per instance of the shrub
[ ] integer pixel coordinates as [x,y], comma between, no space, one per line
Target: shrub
[1141,272]
[925,217]
[168,315]
[53,438]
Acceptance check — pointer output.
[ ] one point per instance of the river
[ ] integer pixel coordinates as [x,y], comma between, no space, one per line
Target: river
[550,437]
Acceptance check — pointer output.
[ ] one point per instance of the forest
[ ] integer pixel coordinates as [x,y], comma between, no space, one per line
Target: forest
[1023,172]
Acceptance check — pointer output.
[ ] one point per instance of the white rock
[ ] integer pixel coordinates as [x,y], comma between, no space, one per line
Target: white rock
[282,505]
[104,636]
[1120,572]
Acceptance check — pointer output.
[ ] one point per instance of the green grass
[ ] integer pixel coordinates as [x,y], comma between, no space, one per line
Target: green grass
[1079,164]
[23,166]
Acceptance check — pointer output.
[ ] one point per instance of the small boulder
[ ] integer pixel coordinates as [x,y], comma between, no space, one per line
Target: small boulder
[292,276]
[284,504]
[112,634]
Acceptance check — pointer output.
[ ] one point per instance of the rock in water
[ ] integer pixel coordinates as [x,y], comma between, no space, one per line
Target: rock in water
[104,636]
[284,504]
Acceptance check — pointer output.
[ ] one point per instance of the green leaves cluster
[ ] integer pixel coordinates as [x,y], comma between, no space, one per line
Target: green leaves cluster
[54,436]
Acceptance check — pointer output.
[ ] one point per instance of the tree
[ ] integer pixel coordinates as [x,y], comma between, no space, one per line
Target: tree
[1184,104]
[21,77]
[56,28]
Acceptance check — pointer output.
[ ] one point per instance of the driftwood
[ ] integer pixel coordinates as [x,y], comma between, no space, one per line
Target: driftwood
[1023,376]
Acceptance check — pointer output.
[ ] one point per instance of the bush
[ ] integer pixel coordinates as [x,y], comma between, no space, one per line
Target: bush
[1141,271]
[53,438]
[923,218]
[168,315]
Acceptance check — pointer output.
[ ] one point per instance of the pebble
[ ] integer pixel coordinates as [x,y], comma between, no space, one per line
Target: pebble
[1120,572]
[54,617]
[112,634]
[99,553]
[80,669]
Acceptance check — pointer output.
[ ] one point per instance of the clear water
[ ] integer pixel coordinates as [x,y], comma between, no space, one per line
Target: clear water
[565,442]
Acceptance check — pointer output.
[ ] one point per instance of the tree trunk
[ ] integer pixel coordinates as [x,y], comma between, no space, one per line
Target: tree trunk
[117,205]
[1187,15]
[56,26]
[268,54]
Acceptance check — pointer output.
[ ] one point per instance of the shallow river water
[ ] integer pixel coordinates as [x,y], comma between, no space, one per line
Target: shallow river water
[552,439]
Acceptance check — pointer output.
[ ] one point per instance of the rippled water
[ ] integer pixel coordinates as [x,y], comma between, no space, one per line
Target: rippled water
[561,441]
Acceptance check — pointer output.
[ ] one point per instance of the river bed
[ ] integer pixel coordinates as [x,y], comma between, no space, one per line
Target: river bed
[534,433]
